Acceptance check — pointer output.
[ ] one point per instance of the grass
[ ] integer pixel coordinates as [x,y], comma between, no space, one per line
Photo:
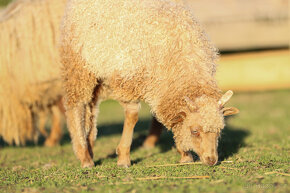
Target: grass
[4,2]
[256,141]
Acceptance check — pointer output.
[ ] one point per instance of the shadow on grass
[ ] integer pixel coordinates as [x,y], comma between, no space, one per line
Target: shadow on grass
[141,128]
[231,141]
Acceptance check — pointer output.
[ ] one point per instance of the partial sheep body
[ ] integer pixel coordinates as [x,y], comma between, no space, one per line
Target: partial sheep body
[154,43]
[139,33]
[139,50]
[30,66]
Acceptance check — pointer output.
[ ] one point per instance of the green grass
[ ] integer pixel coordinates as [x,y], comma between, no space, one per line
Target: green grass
[4,2]
[257,141]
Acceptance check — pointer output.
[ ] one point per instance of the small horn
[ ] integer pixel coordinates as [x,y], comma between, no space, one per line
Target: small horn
[190,103]
[225,98]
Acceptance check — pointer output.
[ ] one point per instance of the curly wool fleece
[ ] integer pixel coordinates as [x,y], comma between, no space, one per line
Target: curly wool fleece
[158,51]
[125,35]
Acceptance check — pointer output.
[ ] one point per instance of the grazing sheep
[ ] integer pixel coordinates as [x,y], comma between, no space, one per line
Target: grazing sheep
[151,50]
[30,84]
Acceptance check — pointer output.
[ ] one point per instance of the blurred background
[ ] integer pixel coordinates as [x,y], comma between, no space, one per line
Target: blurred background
[253,37]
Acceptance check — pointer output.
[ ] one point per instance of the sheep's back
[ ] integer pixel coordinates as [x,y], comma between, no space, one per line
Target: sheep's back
[123,35]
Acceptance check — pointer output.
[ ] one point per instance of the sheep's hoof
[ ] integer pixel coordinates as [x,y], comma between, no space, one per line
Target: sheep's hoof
[88,164]
[186,158]
[124,163]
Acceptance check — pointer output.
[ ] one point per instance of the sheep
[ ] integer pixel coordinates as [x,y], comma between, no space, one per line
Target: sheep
[30,83]
[150,50]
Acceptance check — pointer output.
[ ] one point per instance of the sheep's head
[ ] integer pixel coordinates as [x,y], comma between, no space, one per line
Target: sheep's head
[199,126]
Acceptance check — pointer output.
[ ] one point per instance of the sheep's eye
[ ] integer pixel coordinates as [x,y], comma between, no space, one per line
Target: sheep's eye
[194,132]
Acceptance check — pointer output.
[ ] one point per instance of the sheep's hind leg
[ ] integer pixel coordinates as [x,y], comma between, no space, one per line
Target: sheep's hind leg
[56,129]
[91,123]
[123,149]
[75,119]
[42,116]
[79,86]
[154,134]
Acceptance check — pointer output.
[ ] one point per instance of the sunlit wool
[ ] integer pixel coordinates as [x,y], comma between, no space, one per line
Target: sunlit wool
[29,66]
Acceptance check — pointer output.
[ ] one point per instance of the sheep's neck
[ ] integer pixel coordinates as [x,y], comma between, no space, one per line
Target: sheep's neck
[171,102]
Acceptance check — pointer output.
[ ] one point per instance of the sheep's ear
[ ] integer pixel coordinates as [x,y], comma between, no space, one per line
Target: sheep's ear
[230,111]
[190,103]
[179,118]
[225,98]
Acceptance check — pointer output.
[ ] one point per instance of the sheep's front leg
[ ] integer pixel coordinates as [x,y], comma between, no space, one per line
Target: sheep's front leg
[76,124]
[123,149]
[186,157]
[154,134]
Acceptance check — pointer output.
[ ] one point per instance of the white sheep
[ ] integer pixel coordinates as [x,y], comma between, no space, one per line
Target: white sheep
[151,50]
